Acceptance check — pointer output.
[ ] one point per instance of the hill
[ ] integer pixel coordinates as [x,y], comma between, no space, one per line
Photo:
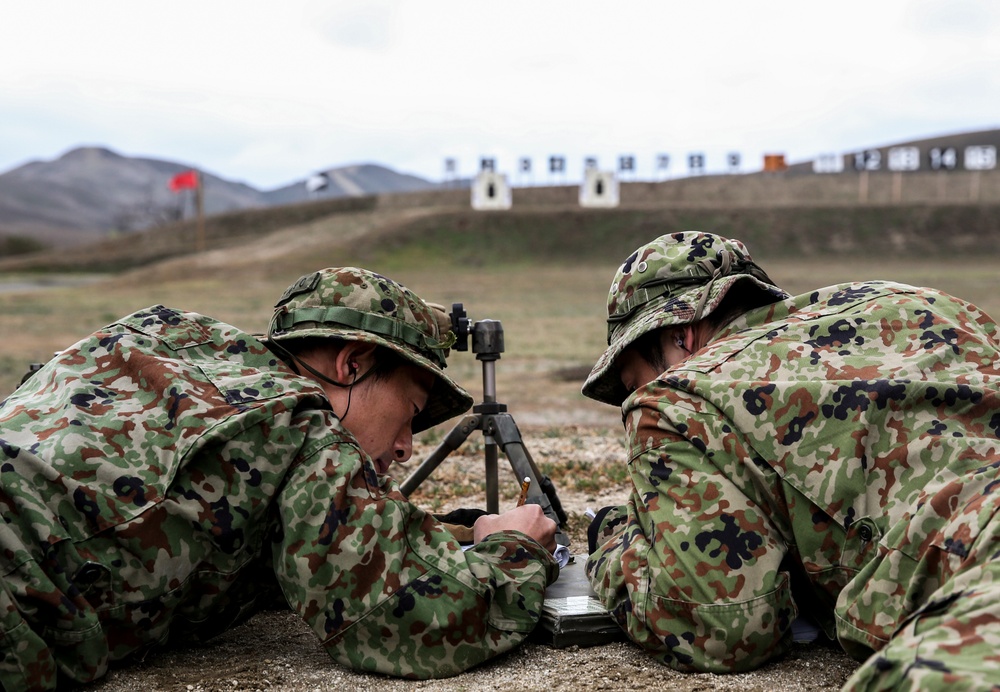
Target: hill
[90,191]
[93,192]
[917,212]
[95,188]
[381,227]
[350,181]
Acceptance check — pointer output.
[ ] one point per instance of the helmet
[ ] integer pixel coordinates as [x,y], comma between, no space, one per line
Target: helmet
[358,305]
[679,278]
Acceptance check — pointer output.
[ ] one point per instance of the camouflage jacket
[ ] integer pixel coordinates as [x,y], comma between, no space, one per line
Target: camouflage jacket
[837,446]
[157,475]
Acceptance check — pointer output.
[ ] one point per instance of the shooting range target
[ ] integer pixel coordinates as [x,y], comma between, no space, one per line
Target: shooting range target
[599,189]
[490,190]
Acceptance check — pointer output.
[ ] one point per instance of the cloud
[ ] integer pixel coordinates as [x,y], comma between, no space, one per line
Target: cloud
[371,26]
[269,93]
[964,20]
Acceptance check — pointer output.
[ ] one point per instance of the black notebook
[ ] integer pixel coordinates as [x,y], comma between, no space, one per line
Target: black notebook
[572,615]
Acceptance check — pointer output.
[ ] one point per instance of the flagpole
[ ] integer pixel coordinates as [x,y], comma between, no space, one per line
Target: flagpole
[199,196]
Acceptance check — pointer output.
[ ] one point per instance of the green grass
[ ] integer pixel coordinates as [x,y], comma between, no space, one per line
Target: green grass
[542,272]
[544,237]
[552,314]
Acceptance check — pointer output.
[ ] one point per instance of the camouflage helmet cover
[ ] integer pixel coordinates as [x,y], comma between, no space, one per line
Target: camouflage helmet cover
[677,279]
[359,305]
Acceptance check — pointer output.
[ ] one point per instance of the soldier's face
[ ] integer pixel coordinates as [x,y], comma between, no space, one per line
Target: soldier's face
[635,371]
[381,414]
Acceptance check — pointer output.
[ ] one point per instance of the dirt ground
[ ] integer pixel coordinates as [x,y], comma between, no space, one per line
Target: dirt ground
[276,651]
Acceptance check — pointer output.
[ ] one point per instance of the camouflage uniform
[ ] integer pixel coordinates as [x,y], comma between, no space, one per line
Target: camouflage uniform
[157,476]
[835,453]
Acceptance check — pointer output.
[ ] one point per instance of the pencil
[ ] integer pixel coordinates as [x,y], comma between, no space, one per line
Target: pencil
[524,491]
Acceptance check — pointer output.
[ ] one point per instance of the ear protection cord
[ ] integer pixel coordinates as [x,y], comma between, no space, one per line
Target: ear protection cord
[295,360]
[350,389]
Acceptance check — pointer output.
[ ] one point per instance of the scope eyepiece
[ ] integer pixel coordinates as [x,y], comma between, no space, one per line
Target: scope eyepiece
[460,325]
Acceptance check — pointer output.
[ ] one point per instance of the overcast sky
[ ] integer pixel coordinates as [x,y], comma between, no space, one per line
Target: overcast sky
[269,93]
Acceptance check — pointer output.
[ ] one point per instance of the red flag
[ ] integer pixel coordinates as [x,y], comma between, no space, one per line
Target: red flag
[184,181]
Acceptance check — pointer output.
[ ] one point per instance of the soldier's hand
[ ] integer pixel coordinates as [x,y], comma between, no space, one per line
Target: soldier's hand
[528,519]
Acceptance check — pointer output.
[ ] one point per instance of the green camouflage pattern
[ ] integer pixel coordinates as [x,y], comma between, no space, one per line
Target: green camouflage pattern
[835,454]
[676,279]
[360,305]
[159,477]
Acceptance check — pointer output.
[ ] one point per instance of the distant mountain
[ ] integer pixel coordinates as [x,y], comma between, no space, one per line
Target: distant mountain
[93,189]
[350,181]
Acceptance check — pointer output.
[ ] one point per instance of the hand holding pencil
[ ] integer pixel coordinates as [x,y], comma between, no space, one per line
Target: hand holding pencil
[528,519]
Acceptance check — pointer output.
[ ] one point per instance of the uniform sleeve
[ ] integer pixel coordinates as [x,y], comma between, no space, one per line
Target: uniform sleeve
[385,587]
[691,571]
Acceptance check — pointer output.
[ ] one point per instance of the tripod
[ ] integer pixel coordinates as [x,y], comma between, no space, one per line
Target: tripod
[498,428]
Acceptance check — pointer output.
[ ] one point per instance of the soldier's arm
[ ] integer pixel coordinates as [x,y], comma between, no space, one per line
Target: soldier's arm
[386,587]
[692,569]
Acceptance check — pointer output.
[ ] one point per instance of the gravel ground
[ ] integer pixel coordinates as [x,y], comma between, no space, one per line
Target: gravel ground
[275,650]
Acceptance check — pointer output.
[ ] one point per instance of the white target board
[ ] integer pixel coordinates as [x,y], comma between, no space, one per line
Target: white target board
[599,189]
[904,159]
[943,159]
[828,163]
[868,160]
[490,191]
[980,158]
[318,182]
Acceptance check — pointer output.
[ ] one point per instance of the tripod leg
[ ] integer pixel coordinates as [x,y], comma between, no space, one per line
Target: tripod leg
[492,454]
[452,441]
[541,491]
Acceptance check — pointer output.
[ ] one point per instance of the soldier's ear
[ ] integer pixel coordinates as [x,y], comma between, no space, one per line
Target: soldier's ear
[354,359]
